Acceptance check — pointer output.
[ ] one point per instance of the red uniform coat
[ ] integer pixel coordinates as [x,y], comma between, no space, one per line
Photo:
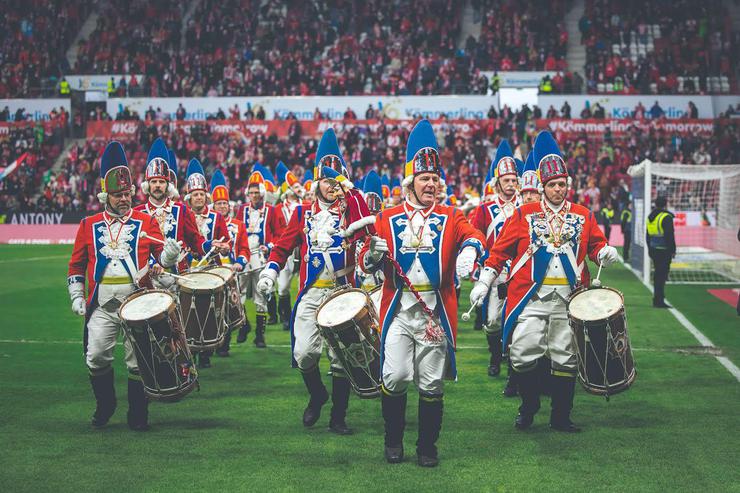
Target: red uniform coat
[271,226]
[239,242]
[454,233]
[212,227]
[527,240]
[179,225]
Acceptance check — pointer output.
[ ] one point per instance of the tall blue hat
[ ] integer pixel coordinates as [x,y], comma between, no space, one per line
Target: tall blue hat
[548,158]
[529,180]
[373,189]
[281,171]
[259,177]
[115,175]
[219,190]
[396,187]
[519,166]
[422,153]
[157,165]
[503,163]
[308,176]
[328,155]
[196,177]
[172,163]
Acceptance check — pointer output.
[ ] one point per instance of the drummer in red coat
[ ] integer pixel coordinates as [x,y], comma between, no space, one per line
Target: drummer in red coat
[324,234]
[110,249]
[238,258]
[174,218]
[547,242]
[432,243]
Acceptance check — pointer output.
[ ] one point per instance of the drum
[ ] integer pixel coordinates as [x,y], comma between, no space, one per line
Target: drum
[235,315]
[376,294]
[349,323]
[603,351]
[203,305]
[151,322]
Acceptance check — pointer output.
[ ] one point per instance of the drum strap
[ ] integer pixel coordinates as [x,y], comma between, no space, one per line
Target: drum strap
[522,260]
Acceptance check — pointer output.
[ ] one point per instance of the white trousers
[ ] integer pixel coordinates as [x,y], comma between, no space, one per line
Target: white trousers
[492,323]
[248,285]
[409,357]
[284,278]
[543,330]
[309,343]
[102,332]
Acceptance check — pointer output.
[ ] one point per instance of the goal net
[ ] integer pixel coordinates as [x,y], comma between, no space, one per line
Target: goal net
[706,204]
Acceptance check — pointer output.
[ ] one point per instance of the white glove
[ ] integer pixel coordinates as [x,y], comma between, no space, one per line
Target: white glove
[266,283]
[483,286]
[378,248]
[607,256]
[170,252]
[236,267]
[77,295]
[465,262]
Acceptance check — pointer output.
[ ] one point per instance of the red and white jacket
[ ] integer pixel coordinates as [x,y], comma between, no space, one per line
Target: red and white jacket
[177,221]
[239,243]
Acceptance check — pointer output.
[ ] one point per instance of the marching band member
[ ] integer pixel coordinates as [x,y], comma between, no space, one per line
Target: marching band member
[547,242]
[386,187]
[110,249]
[174,218]
[323,232]
[272,196]
[373,191]
[396,193]
[263,227]
[211,226]
[238,257]
[489,219]
[308,193]
[291,194]
[431,243]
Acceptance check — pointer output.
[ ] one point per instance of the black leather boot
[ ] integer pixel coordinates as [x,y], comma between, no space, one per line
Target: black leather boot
[223,351]
[430,424]
[340,390]
[284,310]
[394,415]
[243,331]
[105,397]
[510,390]
[272,310]
[529,390]
[478,324]
[494,347]
[204,359]
[259,333]
[318,396]
[563,392]
[138,405]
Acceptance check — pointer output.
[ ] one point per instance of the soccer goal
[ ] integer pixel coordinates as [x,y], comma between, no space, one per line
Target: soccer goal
[706,204]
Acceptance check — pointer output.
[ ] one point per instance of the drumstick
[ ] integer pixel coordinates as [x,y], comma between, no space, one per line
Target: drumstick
[596,282]
[210,252]
[153,238]
[466,316]
[176,276]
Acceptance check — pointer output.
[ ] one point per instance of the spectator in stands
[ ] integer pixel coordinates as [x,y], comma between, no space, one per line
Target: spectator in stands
[656,111]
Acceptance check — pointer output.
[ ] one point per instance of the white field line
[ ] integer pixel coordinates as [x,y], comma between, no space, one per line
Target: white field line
[12,260]
[703,340]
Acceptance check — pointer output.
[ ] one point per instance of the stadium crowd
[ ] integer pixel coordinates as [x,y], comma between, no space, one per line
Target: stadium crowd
[665,47]
[598,162]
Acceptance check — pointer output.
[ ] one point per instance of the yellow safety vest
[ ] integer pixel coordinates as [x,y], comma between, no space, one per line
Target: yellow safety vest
[64,87]
[111,87]
[656,234]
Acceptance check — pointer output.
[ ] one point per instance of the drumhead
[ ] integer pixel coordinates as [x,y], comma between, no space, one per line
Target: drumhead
[222,271]
[146,306]
[341,308]
[201,280]
[376,295]
[595,304]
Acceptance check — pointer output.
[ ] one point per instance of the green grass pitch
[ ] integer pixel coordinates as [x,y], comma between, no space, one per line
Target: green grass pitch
[676,429]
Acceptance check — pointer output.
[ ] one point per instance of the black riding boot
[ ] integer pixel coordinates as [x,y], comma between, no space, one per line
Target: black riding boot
[318,396]
[494,347]
[394,415]
[478,324]
[243,331]
[204,359]
[138,405]
[272,310]
[105,397]
[259,333]
[510,390]
[544,368]
[563,391]
[529,390]
[284,311]
[223,351]
[340,389]
[430,424]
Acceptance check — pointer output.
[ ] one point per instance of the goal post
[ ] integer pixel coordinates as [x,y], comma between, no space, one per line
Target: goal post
[706,204]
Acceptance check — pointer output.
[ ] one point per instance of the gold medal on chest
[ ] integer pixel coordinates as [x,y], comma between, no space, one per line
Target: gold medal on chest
[509,209]
[415,242]
[113,244]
